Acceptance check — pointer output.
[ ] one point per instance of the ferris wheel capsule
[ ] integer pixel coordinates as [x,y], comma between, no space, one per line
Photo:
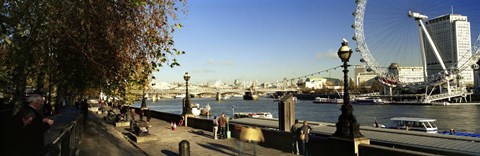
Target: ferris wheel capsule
[475,66]
[369,69]
[362,60]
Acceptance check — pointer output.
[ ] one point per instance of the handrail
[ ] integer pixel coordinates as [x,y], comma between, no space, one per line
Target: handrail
[67,142]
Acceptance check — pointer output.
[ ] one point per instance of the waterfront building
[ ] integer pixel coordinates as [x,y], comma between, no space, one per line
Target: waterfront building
[406,74]
[362,76]
[321,82]
[451,35]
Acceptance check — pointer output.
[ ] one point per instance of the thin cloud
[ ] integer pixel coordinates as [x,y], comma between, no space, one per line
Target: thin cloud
[222,63]
[203,71]
[327,54]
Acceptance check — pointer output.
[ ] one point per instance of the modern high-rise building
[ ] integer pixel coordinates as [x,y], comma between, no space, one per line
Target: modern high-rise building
[451,35]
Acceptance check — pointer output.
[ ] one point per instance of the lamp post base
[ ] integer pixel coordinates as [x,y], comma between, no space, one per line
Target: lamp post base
[186,116]
[346,146]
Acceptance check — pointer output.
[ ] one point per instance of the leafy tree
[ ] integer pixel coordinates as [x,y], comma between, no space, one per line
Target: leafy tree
[83,47]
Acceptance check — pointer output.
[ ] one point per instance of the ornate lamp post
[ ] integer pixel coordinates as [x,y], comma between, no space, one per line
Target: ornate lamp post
[347,126]
[187,108]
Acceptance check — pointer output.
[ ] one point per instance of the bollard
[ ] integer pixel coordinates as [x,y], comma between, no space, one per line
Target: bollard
[184,148]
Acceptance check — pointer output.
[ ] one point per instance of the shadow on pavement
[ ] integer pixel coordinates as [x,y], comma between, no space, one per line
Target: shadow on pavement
[201,133]
[169,153]
[220,148]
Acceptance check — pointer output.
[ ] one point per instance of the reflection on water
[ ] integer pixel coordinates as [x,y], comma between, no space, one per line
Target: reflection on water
[462,118]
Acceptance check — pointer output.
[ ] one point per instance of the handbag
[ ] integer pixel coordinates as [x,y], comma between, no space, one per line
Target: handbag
[302,137]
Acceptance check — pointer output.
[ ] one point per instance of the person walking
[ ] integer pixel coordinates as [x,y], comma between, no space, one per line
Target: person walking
[304,132]
[223,124]
[84,109]
[295,130]
[215,127]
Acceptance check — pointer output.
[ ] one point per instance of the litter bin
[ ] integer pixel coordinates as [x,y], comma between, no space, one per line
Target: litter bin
[184,148]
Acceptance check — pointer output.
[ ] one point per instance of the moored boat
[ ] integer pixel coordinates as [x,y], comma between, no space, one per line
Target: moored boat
[180,96]
[362,101]
[206,110]
[254,115]
[414,124]
[327,100]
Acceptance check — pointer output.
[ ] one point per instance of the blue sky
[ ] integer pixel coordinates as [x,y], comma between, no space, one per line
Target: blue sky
[263,40]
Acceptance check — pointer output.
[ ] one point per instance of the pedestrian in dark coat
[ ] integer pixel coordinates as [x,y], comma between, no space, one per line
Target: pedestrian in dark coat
[295,130]
[34,130]
[223,124]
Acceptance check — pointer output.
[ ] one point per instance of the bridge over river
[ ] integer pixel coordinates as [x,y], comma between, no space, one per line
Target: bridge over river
[209,91]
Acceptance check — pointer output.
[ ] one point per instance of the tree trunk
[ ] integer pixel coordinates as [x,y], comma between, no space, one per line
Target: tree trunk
[20,80]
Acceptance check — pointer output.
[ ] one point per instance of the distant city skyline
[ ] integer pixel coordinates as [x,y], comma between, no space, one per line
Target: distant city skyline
[265,40]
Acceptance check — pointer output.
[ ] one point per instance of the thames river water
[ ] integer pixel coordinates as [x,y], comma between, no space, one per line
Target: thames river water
[461,118]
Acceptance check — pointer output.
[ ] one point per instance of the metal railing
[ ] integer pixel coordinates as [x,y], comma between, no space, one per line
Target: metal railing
[69,140]
[461,93]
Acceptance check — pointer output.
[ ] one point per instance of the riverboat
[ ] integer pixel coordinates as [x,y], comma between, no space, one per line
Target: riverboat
[205,111]
[414,124]
[361,101]
[327,100]
[267,115]
[181,96]
[441,103]
[196,109]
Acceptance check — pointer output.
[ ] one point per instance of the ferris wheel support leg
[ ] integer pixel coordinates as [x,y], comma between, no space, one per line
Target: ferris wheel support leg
[426,90]
[424,58]
[390,91]
[435,50]
[448,88]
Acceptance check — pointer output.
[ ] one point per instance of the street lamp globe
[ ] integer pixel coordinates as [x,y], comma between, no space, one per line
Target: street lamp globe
[186,77]
[344,52]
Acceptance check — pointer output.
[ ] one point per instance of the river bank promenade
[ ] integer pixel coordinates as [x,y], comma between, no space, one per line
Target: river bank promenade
[101,138]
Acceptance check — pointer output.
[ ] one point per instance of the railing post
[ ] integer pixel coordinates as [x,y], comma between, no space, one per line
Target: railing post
[73,139]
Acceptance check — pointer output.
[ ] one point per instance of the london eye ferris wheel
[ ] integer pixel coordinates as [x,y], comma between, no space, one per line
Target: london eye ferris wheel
[411,33]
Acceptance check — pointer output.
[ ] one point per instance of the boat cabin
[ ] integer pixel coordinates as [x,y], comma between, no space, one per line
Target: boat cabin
[414,124]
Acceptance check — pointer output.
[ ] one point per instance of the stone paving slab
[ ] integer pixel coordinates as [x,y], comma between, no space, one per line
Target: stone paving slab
[201,142]
[101,139]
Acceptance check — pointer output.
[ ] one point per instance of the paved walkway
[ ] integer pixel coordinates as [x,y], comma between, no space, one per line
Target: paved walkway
[103,139]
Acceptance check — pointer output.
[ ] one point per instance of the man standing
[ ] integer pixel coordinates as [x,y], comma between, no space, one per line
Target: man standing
[223,125]
[305,131]
[34,130]
[295,130]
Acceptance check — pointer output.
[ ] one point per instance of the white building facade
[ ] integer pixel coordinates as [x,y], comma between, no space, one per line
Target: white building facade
[362,76]
[451,35]
[410,74]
